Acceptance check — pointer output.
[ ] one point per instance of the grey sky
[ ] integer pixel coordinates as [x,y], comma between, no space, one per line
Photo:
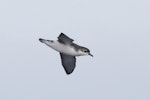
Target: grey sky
[117,33]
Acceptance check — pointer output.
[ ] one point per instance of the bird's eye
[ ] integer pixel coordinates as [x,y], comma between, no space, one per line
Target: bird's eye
[85,51]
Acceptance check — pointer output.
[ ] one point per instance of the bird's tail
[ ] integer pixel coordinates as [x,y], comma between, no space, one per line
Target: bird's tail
[41,40]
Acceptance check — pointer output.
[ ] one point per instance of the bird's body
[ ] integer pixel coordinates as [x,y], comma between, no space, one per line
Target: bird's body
[63,48]
[68,50]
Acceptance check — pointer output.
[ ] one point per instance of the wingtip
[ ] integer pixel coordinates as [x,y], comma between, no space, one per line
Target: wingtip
[61,33]
[68,73]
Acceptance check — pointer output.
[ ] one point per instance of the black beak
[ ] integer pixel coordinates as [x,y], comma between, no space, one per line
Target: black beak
[91,55]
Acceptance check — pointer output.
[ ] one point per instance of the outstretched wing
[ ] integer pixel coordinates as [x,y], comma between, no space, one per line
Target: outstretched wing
[68,62]
[64,39]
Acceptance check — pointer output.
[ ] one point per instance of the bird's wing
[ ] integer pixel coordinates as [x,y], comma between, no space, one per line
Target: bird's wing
[64,39]
[68,62]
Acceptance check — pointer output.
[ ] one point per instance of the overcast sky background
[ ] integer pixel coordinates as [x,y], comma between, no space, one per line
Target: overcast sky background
[117,33]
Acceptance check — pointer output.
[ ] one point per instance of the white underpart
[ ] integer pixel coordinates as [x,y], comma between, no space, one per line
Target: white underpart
[65,49]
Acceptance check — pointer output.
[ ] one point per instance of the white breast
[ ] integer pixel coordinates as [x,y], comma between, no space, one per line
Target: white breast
[66,49]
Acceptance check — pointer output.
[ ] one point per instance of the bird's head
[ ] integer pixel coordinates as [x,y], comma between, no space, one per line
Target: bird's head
[85,51]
